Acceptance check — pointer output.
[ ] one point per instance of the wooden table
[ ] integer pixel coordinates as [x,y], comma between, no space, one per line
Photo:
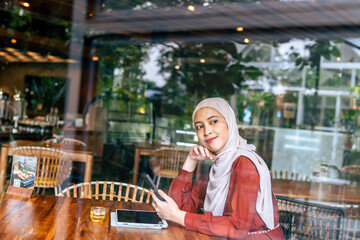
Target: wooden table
[78,154]
[325,192]
[146,149]
[50,217]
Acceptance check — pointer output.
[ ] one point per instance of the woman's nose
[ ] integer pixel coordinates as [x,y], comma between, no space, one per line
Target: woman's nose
[208,130]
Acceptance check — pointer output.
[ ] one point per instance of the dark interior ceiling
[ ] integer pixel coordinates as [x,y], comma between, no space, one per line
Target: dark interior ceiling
[265,21]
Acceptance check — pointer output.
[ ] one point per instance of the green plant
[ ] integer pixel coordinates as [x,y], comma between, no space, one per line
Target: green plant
[263,105]
[316,50]
[199,70]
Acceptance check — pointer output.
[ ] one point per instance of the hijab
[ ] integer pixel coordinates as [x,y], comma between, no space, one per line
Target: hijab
[219,176]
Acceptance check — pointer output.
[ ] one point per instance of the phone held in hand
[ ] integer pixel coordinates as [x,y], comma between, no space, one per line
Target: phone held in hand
[152,185]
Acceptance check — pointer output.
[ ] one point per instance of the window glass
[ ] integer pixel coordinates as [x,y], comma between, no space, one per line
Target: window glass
[124,77]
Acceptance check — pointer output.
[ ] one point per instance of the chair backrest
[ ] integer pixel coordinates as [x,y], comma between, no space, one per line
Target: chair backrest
[74,141]
[170,160]
[53,165]
[104,190]
[351,169]
[304,220]
[285,175]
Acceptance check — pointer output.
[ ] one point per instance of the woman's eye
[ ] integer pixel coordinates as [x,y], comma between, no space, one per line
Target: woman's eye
[213,122]
[198,127]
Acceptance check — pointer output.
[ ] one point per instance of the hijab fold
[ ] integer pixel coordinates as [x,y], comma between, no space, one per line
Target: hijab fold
[218,186]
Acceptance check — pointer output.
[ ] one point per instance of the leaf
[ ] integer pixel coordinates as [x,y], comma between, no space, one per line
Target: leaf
[336,52]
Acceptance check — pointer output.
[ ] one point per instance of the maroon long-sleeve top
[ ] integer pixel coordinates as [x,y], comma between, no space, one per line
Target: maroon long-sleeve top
[239,216]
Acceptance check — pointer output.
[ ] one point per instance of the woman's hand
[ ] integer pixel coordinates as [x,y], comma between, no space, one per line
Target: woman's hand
[197,153]
[168,210]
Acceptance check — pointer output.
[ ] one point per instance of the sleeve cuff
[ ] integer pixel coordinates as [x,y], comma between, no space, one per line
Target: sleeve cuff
[194,221]
[185,175]
[190,221]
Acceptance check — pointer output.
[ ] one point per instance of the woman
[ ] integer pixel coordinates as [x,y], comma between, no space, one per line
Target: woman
[236,194]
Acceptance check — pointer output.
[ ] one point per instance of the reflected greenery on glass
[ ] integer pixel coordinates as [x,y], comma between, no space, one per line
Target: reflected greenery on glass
[262,105]
[198,70]
[43,93]
[315,51]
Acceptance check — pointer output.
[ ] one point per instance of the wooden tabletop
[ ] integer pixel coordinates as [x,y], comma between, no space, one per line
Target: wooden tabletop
[323,192]
[50,217]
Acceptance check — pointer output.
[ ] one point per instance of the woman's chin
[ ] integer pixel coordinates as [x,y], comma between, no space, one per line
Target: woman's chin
[213,149]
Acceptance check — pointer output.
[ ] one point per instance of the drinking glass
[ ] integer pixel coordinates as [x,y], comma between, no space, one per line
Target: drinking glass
[97,213]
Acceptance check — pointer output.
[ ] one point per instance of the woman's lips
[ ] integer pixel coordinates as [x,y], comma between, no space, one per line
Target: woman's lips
[210,140]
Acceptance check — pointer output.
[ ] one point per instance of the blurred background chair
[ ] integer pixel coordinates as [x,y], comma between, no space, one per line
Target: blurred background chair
[168,162]
[285,175]
[305,220]
[104,190]
[53,166]
[65,141]
[68,141]
[351,169]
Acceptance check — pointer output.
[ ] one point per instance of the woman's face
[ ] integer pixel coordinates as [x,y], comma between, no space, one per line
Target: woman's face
[211,129]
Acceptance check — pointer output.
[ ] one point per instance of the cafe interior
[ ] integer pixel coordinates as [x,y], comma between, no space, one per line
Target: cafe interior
[103,92]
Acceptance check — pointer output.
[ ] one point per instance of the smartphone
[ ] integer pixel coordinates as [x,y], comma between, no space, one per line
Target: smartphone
[153,186]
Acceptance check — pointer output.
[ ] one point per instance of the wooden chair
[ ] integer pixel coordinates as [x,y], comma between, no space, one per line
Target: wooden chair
[53,166]
[169,161]
[73,141]
[304,220]
[351,169]
[104,190]
[65,141]
[285,175]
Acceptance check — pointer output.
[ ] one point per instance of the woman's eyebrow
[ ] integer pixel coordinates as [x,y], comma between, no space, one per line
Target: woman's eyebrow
[212,117]
[207,119]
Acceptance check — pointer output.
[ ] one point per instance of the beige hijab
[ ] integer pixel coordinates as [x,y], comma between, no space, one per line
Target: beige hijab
[218,186]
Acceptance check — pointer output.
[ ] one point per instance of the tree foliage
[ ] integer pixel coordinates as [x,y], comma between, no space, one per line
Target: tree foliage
[200,70]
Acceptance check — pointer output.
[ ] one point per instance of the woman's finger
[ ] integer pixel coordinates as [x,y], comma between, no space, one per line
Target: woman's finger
[196,150]
[155,199]
[164,195]
[154,205]
[207,152]
[202,150]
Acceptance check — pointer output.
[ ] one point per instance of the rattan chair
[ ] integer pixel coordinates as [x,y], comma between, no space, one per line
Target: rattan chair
[351,169]
[53,166]
[285,175]
[68,141]
[169,162]
[304,220]
[65,141]
[103,190]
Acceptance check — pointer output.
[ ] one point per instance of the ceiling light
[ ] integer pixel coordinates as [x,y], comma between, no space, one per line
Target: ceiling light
[239,29]
[13,40]
[191,8]
[246,40]
[177,67]
[95,58]
[202,60]
[25,4]
[338,59]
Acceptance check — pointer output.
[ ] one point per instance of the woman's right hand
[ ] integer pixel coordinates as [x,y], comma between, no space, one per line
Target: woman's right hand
[200,153]
[197,153]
